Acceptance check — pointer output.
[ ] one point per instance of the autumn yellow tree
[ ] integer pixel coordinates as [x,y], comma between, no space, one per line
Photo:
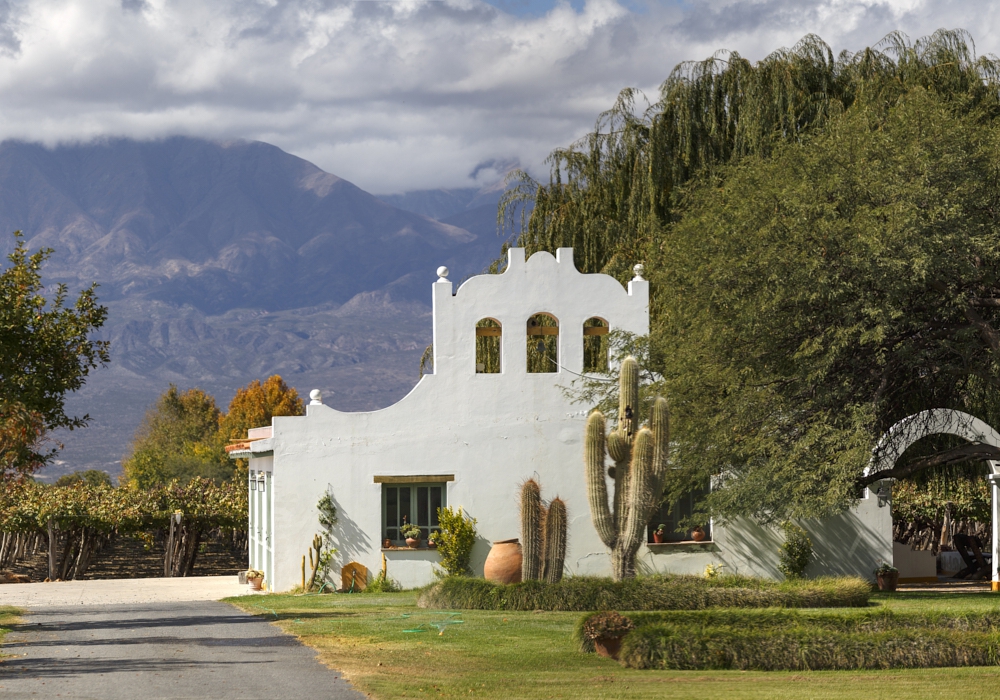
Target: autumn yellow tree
[255,405]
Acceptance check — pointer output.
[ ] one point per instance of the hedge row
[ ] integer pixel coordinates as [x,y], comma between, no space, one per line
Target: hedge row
[682,647]
[581,593]
[792,640]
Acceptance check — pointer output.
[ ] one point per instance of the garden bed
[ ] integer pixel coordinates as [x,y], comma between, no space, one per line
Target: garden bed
[791,640]
[581,593]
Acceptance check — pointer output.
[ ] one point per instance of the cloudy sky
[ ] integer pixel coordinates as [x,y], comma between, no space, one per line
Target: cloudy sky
[394,94]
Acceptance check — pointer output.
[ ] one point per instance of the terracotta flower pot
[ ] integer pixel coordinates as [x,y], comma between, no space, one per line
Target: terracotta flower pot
[503,565]
[256,584]
[431,544]
[697,534]
[888,581]
[608,646]
[657,538]
[412,543]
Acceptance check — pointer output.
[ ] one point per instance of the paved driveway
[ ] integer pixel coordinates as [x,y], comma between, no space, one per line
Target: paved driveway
[158,649]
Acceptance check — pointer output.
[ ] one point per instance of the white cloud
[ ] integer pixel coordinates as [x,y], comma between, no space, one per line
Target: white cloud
[392,95]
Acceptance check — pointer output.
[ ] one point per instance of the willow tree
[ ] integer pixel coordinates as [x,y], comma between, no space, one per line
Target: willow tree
[610,194]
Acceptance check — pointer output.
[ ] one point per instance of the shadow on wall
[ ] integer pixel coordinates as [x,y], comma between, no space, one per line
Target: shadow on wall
[480,550]
[844,545]
[349,539]
[756,547]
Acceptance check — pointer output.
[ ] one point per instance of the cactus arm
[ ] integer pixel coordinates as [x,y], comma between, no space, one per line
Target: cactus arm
[597,488]
[639,487]
[659,421]
[628,398]
[531,536]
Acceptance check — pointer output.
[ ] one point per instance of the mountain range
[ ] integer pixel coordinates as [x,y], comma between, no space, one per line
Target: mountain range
[224,262]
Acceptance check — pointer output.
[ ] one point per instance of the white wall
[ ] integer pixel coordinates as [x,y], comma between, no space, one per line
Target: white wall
[492,431]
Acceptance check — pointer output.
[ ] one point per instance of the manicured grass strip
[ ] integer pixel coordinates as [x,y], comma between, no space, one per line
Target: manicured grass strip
[581,593]
[531,656]
[685,647]
[8,618]
[864,620]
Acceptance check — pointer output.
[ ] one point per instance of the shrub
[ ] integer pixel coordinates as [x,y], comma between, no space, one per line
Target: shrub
[606,624]
[382,584]
[803,648]
[456,537]
[776,639]
[796,552]
[581,593]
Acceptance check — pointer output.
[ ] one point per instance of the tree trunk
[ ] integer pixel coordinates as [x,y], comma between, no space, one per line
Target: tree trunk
[623,561]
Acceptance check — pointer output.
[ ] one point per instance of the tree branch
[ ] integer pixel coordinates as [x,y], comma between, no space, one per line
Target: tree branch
[973,452]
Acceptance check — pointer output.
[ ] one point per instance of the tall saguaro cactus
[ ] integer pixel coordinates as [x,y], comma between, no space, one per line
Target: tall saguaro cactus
[640,458]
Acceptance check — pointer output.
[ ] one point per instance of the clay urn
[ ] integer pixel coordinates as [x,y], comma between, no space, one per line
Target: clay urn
[503,565]
[697,534]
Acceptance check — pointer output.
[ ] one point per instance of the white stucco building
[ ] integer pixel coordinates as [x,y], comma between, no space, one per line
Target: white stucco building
[466,437]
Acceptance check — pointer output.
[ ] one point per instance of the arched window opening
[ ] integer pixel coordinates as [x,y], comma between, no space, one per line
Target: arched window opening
[489,346]
[595,345]
[543,343]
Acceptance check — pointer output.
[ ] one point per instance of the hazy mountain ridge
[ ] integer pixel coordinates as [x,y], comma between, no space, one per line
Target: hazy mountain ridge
[225,262]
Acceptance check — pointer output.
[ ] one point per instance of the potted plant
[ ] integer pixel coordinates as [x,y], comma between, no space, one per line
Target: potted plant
[887,577]
[412,534]
[606,630]
[697,534]
[255,579]
[432,540]
[660,534]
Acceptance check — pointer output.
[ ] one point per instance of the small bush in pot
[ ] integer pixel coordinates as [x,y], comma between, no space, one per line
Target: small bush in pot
[887,576]
[411,533]
[660,534]
[255,578]
[606,630]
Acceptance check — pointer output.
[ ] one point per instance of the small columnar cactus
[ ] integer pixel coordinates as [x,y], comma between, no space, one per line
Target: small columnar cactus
[531,530]
[640,470]
[543,535]
[554,555]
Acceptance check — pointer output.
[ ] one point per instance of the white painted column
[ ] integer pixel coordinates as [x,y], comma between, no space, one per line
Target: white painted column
[995,494]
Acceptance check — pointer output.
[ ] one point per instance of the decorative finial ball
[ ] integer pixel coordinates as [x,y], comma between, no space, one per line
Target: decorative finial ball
[316,396]
[638,269]
[443,272]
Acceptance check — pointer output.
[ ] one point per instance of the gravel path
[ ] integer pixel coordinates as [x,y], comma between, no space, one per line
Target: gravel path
[165,649]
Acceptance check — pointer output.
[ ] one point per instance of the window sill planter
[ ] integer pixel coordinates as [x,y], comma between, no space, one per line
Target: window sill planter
[682,546]
[412,543]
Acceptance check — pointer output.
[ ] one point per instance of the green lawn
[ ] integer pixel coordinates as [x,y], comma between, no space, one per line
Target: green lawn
[8,617]
[513,655]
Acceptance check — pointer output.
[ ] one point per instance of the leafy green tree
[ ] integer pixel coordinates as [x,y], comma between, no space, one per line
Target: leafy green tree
[89,477]
[811,299]
[45,352]
[178,440]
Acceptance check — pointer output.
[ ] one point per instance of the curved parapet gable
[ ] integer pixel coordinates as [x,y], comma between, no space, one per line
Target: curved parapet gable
[543,281]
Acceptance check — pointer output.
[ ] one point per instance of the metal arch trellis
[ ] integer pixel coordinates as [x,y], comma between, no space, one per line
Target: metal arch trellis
[938,421]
